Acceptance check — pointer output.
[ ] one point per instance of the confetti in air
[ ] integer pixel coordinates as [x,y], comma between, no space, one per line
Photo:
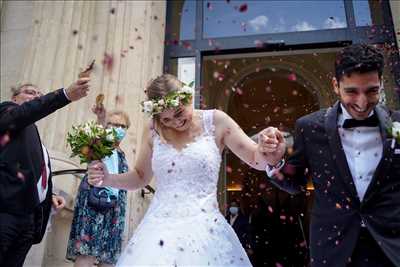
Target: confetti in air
[108,62]
[243,8]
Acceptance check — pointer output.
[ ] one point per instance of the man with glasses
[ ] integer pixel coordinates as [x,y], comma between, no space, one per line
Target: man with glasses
[25,175]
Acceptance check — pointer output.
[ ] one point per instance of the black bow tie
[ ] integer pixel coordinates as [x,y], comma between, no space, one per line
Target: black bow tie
[371,121]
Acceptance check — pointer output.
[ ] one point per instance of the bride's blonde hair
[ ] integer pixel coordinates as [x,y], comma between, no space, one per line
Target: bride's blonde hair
[159,88]
[163,85]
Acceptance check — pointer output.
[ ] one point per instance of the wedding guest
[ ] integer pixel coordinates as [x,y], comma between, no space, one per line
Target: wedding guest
[355,166]
[25,173]
[240,224]
[96,235]
[262,225]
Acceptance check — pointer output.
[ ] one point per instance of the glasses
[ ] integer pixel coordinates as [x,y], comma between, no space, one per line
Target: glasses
[31,92]
[116,125]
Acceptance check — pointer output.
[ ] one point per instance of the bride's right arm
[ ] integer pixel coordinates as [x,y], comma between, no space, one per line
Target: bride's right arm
[139,177]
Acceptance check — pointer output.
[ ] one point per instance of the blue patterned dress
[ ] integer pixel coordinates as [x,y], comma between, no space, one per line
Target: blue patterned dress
[94,233]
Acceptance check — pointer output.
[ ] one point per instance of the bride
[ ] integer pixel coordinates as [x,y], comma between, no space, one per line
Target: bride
[182,147]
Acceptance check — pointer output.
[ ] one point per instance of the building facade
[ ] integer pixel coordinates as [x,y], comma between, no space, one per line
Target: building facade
[263,62]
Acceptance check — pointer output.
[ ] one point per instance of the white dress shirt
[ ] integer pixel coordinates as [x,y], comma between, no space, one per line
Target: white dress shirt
[43,192]
[232,218]
[363,149]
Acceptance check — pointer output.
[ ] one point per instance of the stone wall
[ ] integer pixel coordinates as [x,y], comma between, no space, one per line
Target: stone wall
[395,7]
[47,43]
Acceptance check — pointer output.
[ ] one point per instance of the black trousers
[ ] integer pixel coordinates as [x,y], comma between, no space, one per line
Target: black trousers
[368,253]
[16,238]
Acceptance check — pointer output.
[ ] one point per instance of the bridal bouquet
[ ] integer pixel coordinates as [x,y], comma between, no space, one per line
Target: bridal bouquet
[91,141]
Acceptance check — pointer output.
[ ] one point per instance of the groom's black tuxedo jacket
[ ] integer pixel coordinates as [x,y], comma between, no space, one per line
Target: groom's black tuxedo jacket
[23,155]
[337,212]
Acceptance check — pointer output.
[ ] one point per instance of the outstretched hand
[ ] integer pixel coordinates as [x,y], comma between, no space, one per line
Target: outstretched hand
[97,173]
[78,89]
[99,110]
[272,144]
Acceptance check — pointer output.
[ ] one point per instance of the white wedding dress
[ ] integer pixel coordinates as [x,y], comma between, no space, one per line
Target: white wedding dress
[183,225]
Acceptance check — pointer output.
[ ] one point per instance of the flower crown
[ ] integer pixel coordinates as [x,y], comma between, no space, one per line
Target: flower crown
[171,100]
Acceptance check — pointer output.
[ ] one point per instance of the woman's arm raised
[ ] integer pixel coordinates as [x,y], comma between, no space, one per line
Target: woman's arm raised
[270,149]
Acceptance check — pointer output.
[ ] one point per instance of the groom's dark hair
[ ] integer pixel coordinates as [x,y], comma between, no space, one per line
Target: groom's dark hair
[359,58]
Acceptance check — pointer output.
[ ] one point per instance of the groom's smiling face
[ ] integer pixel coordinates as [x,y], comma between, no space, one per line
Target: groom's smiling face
[359,93]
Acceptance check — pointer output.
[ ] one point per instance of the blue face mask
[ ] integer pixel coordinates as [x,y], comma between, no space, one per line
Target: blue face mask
[234,210]
[121,132]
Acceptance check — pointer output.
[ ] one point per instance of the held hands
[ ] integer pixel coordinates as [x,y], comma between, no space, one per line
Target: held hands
[272,144]
[97,173]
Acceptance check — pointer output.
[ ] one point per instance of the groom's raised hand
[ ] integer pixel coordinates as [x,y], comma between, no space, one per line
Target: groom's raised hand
[272,144]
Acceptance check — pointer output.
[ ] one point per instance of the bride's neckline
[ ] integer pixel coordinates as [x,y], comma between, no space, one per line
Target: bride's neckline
[185,146]
[194,139]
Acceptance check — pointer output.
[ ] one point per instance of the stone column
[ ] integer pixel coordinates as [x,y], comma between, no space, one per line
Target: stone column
[47,43]
[395,7]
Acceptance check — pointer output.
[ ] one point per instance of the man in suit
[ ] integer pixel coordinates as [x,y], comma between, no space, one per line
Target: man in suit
[354,165]
[25,175]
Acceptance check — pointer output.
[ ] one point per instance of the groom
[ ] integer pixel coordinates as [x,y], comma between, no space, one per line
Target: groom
[355,168]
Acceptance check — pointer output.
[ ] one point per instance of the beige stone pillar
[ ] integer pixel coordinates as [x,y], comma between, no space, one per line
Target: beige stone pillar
[395,7]
[47,42]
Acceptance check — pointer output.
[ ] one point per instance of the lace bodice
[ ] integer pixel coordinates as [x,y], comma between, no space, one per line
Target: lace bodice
[187,179]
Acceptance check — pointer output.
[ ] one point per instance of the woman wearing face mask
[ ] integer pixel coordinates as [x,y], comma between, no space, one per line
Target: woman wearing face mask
[241,226]
[182,147]
[96,235]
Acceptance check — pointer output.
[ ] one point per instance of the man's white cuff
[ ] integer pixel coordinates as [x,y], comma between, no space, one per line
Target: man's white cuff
[271,170]
[65,93]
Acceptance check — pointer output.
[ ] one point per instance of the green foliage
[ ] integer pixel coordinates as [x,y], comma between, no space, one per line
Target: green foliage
[91,141]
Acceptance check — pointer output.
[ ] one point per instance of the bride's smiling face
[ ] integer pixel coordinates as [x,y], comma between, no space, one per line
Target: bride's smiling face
[178,119]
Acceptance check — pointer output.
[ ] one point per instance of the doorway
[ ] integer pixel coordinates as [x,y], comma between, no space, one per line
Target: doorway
[259,90]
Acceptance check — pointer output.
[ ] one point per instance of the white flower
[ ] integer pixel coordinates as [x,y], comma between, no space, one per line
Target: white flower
[87,130]
[187,89]
[110,135]
[396,129]
[161,102]
[148,106]
[175,102]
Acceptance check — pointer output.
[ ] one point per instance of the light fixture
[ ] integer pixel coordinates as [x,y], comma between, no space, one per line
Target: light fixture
[234,187]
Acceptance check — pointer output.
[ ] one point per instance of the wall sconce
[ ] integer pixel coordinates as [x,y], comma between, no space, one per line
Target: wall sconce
[234,187]
[310,185]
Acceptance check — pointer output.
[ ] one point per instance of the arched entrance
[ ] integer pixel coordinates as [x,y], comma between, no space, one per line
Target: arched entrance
[268,63]
[257,91]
